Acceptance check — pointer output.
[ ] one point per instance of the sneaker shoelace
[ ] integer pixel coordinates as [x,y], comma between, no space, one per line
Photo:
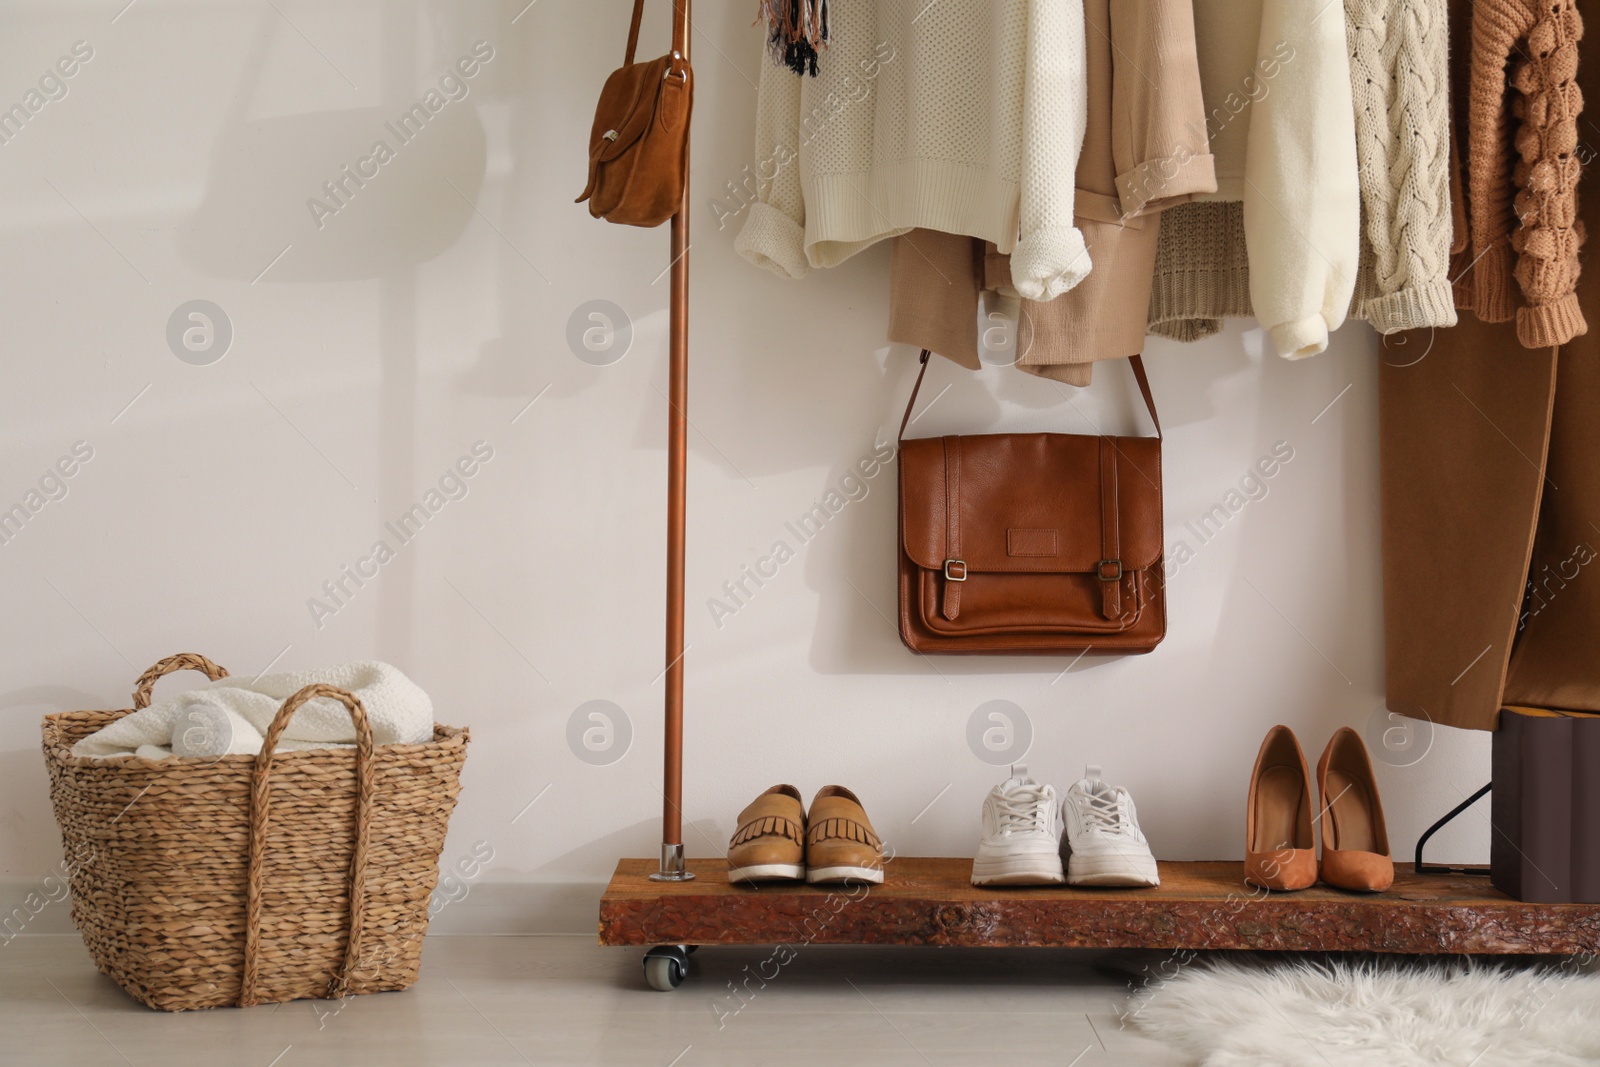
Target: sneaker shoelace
[1024,809]
[1103,812]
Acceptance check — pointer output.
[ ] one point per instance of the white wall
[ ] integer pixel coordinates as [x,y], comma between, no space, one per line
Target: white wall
[423,317]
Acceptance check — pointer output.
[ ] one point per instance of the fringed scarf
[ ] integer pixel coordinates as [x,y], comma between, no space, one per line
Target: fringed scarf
[796,30]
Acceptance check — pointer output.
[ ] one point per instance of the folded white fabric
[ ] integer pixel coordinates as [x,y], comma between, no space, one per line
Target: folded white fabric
[206,729]
[232,716]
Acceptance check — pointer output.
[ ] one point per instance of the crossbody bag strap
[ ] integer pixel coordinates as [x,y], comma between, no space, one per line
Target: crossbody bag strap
[680,30]
[911,403]
[633,31]
[1144,391]
[1138,373]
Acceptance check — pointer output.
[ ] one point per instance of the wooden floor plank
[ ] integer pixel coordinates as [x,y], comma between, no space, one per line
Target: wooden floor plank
[931,901]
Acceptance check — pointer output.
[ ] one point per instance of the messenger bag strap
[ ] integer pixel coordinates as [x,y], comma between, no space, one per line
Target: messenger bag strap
[1144,390]
[906,419]
[1138,373]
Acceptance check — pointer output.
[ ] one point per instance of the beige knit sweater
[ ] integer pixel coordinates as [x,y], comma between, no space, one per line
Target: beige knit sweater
[1399,79]
[1281,237]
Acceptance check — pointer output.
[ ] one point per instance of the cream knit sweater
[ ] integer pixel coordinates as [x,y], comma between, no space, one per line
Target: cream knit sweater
[1276,80]
[964,116]
[1400,78]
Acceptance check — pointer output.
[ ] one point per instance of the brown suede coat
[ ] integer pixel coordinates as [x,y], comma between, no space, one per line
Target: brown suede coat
[1491,499]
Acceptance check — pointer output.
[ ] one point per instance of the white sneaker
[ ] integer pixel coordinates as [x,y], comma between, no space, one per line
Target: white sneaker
[1104,845]
[1021,842]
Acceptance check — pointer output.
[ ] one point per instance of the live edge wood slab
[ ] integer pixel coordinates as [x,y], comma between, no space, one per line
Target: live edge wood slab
[1197,906]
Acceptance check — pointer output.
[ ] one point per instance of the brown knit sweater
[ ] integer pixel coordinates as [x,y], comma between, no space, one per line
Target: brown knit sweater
[1523,167]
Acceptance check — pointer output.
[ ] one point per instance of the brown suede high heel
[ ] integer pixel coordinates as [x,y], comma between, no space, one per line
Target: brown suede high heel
[1355,839]
[1280,852]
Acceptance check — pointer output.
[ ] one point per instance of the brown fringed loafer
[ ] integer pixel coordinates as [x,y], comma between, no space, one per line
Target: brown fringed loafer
[1355,839]
[770,843]
[1280,849]
[841,844]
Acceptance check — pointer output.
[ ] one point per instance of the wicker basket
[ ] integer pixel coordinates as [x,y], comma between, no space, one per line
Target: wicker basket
[253,879]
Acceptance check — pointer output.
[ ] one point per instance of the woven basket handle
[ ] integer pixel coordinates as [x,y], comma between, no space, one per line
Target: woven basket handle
[183,661]
[260,811]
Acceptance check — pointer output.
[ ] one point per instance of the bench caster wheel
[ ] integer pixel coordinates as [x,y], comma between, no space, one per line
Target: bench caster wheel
[665,967]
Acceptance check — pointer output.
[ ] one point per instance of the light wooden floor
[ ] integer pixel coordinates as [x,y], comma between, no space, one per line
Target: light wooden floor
[565,1000]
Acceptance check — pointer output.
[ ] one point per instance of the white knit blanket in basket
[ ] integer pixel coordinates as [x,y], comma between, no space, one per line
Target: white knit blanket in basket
[231,716]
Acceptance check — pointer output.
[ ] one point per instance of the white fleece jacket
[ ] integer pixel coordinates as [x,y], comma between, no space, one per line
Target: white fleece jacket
[1276,80]
[964,116]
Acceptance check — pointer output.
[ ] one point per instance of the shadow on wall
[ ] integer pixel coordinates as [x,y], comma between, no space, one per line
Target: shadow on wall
[378,190]
[350,194]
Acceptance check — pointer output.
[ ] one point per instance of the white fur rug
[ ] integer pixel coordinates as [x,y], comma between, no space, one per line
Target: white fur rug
[1394,1014]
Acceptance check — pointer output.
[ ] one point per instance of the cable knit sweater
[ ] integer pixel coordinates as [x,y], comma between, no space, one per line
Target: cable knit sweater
[964,116]
[1399,77]
[1523,167]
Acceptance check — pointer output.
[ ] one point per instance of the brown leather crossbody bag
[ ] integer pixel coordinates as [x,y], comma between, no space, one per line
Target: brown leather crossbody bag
[1031,543]
[639,143]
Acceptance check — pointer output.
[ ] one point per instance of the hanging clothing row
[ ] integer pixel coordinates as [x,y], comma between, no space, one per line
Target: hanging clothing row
[1202,136]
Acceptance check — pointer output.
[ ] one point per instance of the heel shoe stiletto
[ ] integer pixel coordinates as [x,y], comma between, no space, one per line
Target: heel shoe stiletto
[1280,851]
[1355,839]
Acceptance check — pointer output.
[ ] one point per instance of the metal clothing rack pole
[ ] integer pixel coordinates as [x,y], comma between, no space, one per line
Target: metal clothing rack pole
[672,862]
